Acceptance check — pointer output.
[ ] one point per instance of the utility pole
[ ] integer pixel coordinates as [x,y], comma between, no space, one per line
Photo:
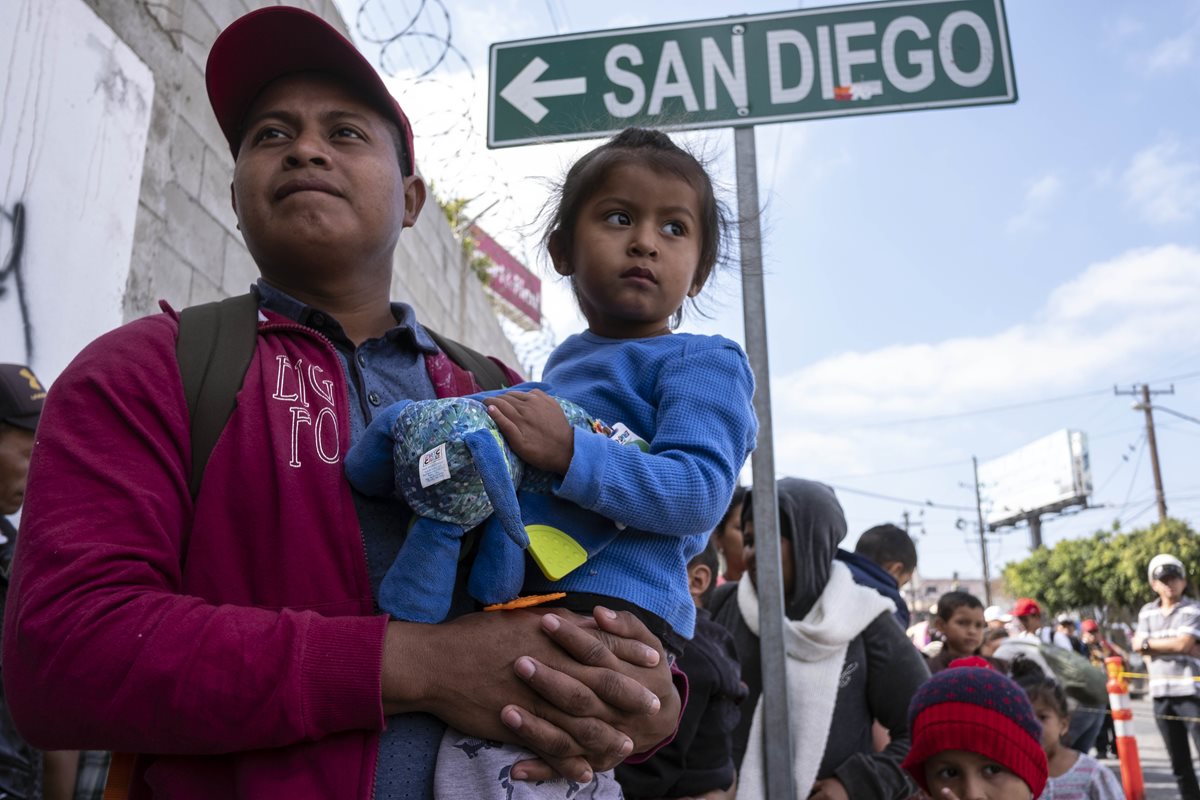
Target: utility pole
[1144,406]
[987,578]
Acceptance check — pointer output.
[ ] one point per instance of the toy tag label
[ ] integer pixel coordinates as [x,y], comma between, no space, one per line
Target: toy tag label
[433,468]
[622,435]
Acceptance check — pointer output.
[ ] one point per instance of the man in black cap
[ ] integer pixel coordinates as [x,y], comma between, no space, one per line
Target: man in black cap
[231,637]
[21,398]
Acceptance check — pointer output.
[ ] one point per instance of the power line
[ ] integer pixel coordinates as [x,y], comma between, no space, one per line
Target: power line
[977,411]
[899,470]
[1005,407]
[906,501]
[1136,466]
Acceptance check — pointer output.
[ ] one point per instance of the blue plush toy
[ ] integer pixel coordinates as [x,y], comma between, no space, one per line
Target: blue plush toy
[447,460]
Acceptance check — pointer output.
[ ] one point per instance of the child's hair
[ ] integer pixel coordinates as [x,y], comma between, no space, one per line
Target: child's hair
[648,148]
[950,602]
[887,543]
[1038,685]
[707,557]
[735,503]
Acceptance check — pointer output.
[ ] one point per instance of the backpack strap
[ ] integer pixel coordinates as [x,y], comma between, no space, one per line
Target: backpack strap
[215,345]
[487,372]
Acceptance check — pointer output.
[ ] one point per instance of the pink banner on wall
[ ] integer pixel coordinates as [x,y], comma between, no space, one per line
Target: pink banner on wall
[511,281]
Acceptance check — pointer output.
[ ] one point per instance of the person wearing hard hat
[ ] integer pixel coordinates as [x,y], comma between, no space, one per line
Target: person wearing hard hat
[1167,632]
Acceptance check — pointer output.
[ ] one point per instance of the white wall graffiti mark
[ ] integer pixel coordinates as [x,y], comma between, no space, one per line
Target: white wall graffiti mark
[73,124]
[10,272]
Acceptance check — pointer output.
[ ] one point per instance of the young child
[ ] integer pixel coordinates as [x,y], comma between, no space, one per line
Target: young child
[700,757]
[638,230]
[975,736]
[1073,775]
[960,621]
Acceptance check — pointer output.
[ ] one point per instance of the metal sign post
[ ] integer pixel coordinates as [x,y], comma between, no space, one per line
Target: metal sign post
[777,737]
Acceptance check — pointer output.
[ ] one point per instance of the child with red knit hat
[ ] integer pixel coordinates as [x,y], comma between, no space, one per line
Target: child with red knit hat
[975,736]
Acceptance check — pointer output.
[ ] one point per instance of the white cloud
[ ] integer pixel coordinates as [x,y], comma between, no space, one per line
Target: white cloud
[1173,53]
[1163,182]
[1096,328]
[1039,199]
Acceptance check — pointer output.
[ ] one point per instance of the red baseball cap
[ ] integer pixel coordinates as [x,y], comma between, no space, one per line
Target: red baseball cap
[1026,607]
[1089,625]
[272,42]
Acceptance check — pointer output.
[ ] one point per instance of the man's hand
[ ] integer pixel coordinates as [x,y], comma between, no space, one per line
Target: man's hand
[535,427]
[583,695]
[829,789]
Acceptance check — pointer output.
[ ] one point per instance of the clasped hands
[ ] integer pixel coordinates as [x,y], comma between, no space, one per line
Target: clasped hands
[582,693]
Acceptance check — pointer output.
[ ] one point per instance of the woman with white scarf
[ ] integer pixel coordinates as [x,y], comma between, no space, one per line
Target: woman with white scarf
[848,661]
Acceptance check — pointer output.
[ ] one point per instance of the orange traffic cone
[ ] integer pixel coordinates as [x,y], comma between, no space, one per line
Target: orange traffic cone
[1127,750]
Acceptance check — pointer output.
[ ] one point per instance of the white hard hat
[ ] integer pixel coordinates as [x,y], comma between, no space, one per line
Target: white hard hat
[1164,560]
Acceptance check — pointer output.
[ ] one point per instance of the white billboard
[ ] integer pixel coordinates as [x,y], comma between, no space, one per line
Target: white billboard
[1048,475]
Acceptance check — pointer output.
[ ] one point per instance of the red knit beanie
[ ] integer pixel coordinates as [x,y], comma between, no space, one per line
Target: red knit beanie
[972,707]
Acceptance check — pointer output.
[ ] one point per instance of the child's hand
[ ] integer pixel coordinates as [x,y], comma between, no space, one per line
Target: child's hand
[535,427]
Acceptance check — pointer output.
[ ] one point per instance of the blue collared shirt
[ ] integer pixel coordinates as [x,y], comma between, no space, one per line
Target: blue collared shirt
[380,372]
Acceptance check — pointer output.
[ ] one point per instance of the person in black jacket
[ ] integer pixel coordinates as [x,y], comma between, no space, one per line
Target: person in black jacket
[699,760]
[849,663]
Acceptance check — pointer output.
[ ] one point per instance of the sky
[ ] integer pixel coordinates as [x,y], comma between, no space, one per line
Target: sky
[940,284]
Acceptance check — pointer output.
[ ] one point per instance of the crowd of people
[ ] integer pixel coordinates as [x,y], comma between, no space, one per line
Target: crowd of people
[244,624]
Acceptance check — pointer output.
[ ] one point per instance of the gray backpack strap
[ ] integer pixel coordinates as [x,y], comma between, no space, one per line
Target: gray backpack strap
[215,345]
[487,373]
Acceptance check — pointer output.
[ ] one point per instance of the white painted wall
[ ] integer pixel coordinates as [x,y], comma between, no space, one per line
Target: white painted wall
[74,115]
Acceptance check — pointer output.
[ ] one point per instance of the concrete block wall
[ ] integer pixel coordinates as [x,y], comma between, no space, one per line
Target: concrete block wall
[187,248]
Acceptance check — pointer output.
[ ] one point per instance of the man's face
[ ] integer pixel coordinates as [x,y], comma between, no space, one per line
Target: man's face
[1170,588]
[16,444]
[317,173]
[785,557]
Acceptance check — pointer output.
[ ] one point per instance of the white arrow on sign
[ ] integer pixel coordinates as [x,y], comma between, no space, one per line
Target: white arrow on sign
[524,91]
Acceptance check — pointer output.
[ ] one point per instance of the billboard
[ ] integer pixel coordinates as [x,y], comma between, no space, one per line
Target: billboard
[516,292]
[1045,476]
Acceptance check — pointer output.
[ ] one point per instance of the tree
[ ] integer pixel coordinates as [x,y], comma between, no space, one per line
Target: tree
[455,211]
[1106,571]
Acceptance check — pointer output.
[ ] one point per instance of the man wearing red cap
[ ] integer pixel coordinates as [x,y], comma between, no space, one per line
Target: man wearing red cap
[231,639]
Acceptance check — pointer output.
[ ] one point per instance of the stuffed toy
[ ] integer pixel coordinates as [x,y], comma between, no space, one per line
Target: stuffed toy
[448,461]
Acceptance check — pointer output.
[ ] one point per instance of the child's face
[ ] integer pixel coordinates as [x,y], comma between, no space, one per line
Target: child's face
[636,249]
[1054,726]
[963,775]
[964,629]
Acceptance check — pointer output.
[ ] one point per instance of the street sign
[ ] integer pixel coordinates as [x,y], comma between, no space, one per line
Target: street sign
[866,58]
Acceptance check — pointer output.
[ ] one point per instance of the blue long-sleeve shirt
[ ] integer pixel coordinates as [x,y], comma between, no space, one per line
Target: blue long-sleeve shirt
[690,397]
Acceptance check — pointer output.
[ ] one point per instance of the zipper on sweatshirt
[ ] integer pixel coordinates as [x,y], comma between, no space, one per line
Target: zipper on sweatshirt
[271,325]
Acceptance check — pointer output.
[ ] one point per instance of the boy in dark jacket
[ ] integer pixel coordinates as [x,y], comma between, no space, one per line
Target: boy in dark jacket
[700,758]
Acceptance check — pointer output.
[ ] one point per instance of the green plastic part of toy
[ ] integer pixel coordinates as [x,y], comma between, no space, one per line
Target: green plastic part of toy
[554,551]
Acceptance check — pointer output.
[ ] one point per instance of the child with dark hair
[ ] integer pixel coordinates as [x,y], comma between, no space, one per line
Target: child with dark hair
[638,229]
[699,759]
[960,622]
[1073,775]
[975,736]
[884,559]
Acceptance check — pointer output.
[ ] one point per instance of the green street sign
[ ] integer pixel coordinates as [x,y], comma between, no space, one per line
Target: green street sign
[867,58]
